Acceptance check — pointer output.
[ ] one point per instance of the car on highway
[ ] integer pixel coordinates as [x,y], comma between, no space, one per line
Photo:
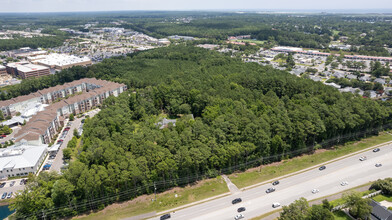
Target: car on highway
[241,209]
[4,195]
[314,191]
[376,150]
[237,200]
[239,216]
[275,204]
[12,183]
[378,164]
[362,158]
[344,183]
[165,216]
[322,168]
[9,195]
[270,190]
[275,182]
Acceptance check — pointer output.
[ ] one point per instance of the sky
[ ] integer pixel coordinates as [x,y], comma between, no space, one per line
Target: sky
[175,5]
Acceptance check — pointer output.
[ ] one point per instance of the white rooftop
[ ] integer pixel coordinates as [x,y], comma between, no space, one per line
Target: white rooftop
[56,59]
[30,67]
[21,156]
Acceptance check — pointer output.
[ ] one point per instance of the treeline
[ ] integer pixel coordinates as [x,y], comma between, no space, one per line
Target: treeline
[34,42]
[244,115]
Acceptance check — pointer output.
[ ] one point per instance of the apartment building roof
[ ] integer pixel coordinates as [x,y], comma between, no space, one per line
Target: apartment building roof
[39,123]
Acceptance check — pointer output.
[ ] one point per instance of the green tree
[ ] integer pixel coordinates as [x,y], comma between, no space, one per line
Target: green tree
[298,210]
[358,207]
[67,153]
[318,212]
[71,117]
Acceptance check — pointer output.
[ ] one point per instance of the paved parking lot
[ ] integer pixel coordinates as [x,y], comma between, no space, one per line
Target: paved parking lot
[7,188]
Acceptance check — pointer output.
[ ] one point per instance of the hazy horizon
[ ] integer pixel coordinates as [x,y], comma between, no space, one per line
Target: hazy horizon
[347,6]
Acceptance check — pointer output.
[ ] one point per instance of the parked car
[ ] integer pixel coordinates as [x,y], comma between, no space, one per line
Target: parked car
[237,200]
[21,182]
[60,140]
[12,183]
[51,157]
[239,216]
[4,195]
[275,204]
[9,195]
[322,168]
[165,216]
[378,164]
[362,158]
[241,209]
[270,190]
[275,182]
[376,150]
[3,135]
[2,185]
[315,191]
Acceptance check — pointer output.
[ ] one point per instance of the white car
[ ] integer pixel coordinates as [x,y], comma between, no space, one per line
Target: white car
[315,191]
[239,216]
[275,205]
[344,183]
[378,164]
[362,158]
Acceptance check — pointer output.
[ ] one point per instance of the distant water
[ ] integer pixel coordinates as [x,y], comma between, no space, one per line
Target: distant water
[5,212]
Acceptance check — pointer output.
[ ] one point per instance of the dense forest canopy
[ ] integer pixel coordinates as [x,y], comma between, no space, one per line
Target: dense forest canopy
[302,30]
[242,112]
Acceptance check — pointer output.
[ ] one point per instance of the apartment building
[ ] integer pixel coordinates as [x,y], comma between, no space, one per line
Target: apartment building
[42,127]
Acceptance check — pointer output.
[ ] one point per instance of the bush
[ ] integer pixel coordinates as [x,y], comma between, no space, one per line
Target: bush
[384,185]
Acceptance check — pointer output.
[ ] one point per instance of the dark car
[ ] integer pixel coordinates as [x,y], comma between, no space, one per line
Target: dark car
[376,150]
[241,209]
[269,190]
[21,182]
[322,168]
[165,216]
[275,183]
[2,185]
[4,195]
[237,200]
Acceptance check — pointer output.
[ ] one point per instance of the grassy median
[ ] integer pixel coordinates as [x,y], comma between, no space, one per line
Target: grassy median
[165,201]
[269,172]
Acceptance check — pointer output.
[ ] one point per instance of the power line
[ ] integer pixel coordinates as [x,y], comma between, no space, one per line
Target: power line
[133,192]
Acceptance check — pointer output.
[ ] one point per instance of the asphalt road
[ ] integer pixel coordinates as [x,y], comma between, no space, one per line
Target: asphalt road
[258,202]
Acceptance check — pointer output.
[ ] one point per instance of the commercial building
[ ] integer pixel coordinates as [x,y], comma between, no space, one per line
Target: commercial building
[21,159]
[62,61]
[26,52]
[27,70]
[3,70]
[71,98]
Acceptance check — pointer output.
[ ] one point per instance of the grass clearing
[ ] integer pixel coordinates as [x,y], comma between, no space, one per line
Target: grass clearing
[340,215]
[380,198]
[269,172]
[166,200]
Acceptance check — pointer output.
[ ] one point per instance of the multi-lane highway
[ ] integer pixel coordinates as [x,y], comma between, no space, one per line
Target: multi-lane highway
[328,181]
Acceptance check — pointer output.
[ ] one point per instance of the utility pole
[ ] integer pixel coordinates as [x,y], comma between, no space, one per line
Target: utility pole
[155,192]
